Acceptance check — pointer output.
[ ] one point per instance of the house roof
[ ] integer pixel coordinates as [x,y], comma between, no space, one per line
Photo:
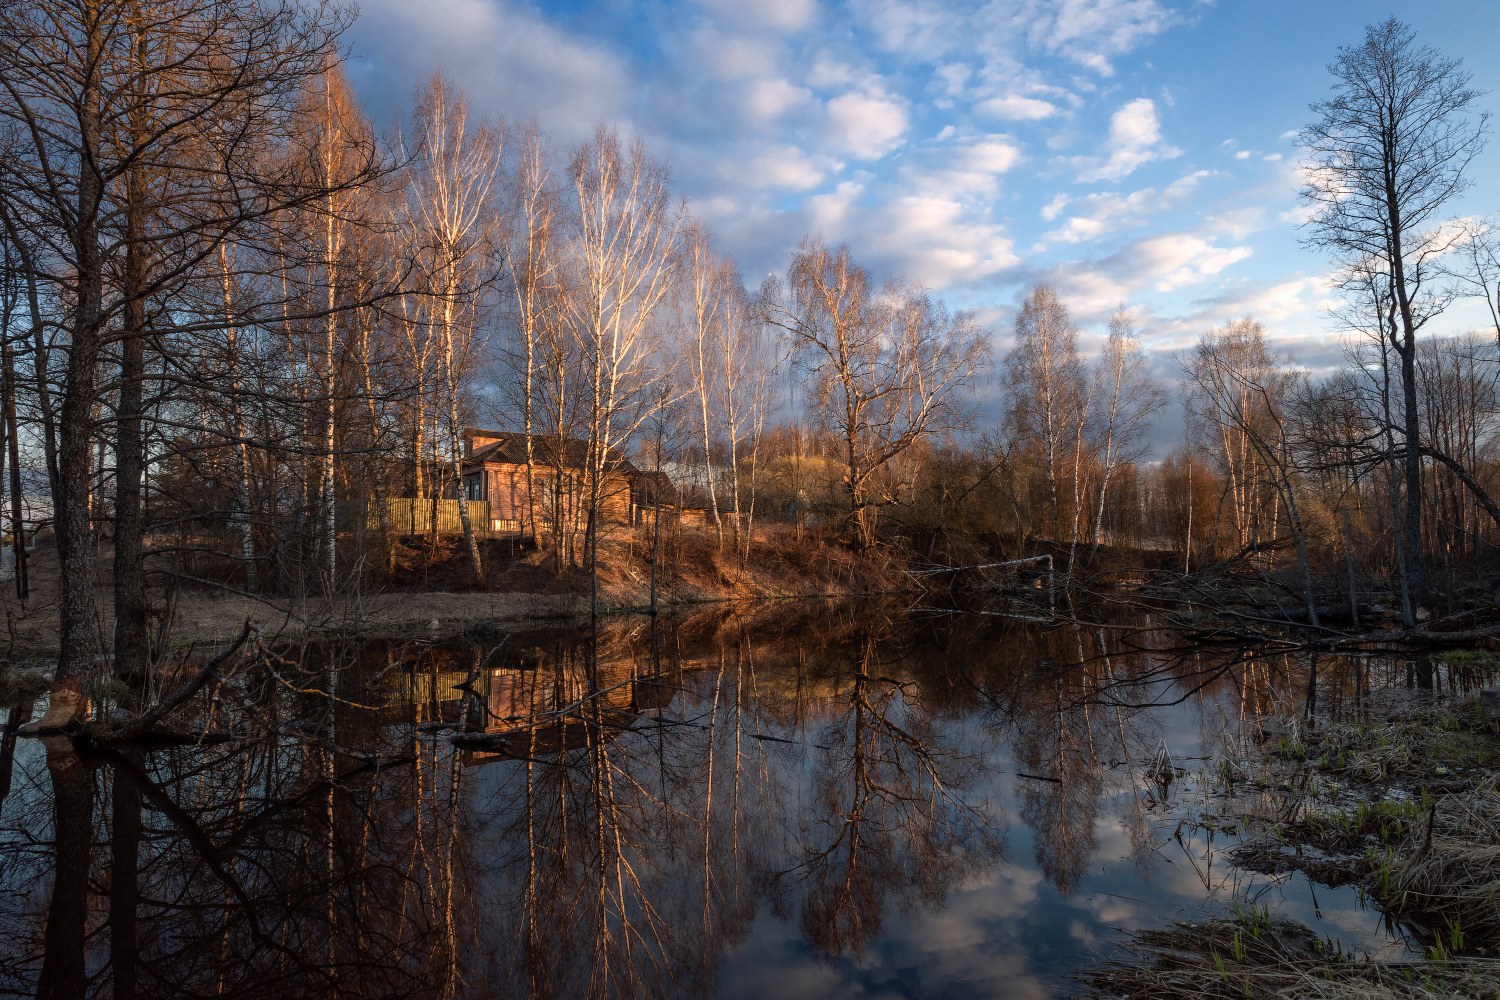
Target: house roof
[510,449]
[656,487]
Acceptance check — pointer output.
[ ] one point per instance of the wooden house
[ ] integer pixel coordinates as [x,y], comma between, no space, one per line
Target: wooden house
[494,472]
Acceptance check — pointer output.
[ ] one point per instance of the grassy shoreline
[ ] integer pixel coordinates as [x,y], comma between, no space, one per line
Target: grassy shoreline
[1401,800]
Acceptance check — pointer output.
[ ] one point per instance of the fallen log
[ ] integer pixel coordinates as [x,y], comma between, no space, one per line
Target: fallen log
[1029,560]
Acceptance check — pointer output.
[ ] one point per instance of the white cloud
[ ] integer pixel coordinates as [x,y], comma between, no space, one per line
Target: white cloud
[916,28]
[828,71]
[780,15]
[782,167]
[1236,223]
[1158,263]
[990,155]
[767,100]
[1290,307]
[1101,214]
[1183,259]
[953,76]
[1097,215]
[497,52]
[866,126]
[935,240]
[727,55]
[1091,31]
[1015,108]
[966,170]
[1134,139]
[828,211]
[1283,300]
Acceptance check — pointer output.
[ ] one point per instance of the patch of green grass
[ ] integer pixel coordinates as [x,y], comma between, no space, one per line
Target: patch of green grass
[1386,820]
[1400,750]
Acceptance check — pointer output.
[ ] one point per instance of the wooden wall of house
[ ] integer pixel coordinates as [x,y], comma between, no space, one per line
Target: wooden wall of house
[505,488]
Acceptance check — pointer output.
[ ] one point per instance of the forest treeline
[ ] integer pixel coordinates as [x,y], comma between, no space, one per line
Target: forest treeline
[239,318]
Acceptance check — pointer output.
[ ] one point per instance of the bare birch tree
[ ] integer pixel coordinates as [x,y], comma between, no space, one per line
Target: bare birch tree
[625,243]
[532,267]
[1251,399]
[1045,380]
[705,289]
[450,205]
[343,138]
[1227,405]
[1128,397]
[747,365]
[1390,148]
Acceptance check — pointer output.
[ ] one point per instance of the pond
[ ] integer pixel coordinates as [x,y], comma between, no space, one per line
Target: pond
[790,800]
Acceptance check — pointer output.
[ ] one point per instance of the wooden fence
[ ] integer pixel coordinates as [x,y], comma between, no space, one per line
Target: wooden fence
[409,516]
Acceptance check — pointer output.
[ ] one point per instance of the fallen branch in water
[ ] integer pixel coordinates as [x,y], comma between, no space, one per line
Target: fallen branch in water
[995,565]
[146,720]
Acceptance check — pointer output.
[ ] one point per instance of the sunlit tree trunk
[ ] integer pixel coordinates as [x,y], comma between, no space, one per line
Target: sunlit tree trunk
[332,247]
[449,204]
[625,237]
[240,509]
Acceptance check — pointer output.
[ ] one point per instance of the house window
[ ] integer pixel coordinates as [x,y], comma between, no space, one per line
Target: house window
[474,488]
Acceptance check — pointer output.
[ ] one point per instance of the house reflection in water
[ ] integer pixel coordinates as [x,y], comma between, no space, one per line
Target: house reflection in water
[546,692]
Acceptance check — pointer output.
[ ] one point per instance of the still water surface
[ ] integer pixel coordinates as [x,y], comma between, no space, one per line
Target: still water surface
[792,801]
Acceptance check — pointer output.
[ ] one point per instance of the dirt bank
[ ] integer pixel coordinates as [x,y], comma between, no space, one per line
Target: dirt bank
[208,617]
[427,586]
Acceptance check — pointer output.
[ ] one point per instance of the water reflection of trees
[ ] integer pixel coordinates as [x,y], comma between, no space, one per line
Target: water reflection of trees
[273,870]
[643,795]
[1076,706]
[888,817]
[648,848]
[1082,708]
[633,800]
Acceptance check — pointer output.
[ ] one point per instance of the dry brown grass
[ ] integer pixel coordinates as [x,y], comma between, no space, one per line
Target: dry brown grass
[1411,744]
[1254,955]
[1451,885]
[1445,874]
[694,563]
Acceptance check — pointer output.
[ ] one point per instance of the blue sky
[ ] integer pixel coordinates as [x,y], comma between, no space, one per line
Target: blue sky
[1133,151]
